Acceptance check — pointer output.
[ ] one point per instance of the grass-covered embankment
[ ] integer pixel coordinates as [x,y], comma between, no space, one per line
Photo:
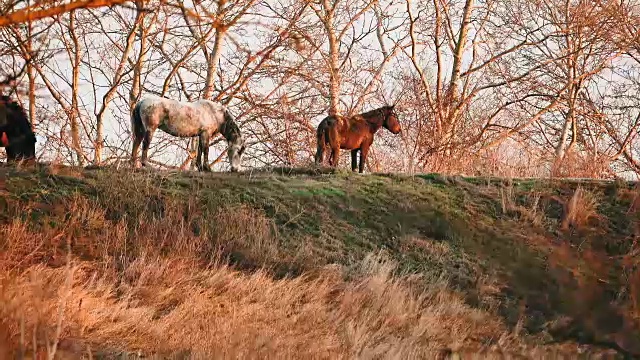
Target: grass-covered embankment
[300,263]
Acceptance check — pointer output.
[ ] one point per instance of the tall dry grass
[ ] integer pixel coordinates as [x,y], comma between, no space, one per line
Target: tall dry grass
[168,308]
[581,208]
[87,286]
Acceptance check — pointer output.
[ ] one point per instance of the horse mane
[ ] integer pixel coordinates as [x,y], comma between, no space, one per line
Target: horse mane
[374,114]
[229,129]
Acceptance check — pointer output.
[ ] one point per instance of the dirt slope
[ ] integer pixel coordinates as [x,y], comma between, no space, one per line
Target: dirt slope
[300,263]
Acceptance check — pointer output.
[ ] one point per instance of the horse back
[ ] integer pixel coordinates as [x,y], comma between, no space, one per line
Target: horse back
[19,119]
[331,122]
[184,119]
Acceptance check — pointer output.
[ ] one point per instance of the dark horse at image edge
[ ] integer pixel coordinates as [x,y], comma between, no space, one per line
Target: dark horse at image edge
[353,133]
[16,135]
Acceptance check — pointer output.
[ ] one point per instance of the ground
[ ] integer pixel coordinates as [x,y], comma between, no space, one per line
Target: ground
[315,263]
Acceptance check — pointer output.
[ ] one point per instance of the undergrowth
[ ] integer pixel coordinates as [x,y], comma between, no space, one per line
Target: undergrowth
[308,263]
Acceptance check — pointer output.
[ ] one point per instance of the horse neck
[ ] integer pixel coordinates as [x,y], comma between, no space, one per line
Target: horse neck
[230,129]
[374,118]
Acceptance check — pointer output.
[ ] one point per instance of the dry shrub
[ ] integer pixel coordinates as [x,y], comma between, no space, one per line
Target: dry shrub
[77,223]
[58,168]
[580,210]
[507,200]
[631,196]
[178,231]
[634,290]
[241,232]
[530,212]
[631,266]
[582,165]
[509,159]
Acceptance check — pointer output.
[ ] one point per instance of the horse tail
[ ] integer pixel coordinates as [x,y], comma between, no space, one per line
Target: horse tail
[320,133]
[322,138]
[323,131]
[137,125]
[326,136]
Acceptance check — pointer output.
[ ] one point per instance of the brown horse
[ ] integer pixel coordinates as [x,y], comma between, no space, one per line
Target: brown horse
[353,133]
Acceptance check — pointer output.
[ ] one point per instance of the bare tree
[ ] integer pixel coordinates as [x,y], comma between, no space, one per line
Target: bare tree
[12,15]
[487,87]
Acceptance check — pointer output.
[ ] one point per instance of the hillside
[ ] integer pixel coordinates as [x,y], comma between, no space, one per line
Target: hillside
[301,263]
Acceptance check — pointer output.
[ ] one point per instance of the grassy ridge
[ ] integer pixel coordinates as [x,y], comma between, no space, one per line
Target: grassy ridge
[538,262]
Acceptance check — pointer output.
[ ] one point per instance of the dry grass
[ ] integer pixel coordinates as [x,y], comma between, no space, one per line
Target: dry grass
[530,213]
[581,208]
[168,306]
[103,290]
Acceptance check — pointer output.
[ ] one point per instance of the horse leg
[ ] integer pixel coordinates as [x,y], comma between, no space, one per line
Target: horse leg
[320,147]
[334,142]
[203,149]
[364,151]
[199,156]
[137,140]
[146,141]
[354,159]
[11,154]
[320,153]
[335,156]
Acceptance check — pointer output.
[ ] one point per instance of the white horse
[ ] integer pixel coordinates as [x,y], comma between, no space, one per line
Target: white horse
[202,118]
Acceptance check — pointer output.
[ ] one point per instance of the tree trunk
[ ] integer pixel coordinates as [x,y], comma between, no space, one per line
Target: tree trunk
[452,98]
[31,76]
[334,58]
[459,49]
[334,75]
[117,77]
[135,92]
[213,63]
[74,115]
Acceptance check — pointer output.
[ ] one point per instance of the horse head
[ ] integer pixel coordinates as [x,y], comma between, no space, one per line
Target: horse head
[391,122]
[236,152]
[237,143]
